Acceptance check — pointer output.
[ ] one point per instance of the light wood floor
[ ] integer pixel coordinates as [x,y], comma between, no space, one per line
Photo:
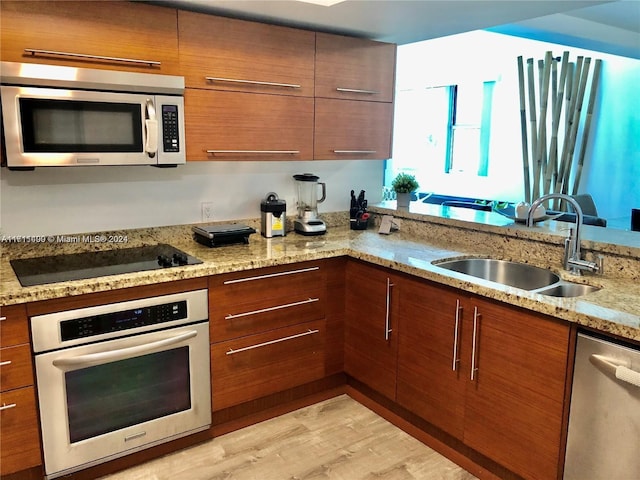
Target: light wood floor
[337,439]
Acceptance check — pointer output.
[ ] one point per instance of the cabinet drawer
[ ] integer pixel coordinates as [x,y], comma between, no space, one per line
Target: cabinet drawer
[347,129]
[19,431]
[228,54]
[251,367]
[247,126]
[14,328]
[119,32]
[15,367]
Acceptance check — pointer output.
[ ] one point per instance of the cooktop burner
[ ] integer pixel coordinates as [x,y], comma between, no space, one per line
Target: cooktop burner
[78,266]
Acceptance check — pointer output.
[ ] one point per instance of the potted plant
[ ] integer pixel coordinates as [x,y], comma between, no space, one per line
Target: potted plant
[404,184]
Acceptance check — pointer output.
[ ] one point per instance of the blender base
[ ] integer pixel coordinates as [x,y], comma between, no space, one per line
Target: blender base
[312,227]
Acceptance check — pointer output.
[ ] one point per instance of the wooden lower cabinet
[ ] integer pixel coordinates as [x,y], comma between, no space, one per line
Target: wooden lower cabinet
[371,335]
[19,433]
[491,375]
[251,367]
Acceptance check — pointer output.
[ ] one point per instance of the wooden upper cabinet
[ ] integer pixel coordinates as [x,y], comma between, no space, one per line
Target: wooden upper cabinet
[347,129]
[247,126]
[354,68]
[81,31]
[227,54]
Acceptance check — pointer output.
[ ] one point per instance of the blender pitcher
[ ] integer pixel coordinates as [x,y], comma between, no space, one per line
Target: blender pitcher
[307,201]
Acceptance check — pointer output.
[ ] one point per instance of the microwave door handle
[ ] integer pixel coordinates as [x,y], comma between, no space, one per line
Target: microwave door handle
[92,359]
[151,124]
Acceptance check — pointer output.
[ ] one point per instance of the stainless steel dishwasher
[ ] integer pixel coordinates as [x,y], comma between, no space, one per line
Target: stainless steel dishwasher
[604,420]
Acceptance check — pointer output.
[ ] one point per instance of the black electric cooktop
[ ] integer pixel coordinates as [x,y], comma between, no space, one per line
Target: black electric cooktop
[78,266]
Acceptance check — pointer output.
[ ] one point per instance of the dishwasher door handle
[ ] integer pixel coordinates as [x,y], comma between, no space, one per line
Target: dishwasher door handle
[617,369]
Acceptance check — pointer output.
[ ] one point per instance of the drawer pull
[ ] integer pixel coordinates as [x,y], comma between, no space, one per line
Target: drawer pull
[357,90]
[2,319]
[7,407]
[251,82]
[271,275]
[278,340]
[34,51]
[5,363]
[271,309]
[348,152]
[256,152]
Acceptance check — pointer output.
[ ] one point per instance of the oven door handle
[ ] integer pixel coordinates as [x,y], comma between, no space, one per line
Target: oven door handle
[123,353]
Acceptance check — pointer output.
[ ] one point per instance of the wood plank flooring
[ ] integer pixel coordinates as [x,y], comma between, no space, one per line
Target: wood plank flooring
[338,439]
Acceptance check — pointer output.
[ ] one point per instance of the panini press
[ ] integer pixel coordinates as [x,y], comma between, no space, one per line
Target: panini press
[226,234]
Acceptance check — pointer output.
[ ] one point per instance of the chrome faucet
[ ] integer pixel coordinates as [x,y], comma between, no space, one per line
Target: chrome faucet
[572,261]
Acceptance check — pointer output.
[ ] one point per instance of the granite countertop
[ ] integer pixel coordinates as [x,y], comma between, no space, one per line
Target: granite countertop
[614,309]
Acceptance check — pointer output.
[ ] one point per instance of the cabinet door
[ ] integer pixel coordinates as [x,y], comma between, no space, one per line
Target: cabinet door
[247,126]
[371,328]
[347,129]
[14,328]
[15,367]
[354,68]
[81,32]
[514,404]
[251,367]
[19,435]
[226,54]
[431,382]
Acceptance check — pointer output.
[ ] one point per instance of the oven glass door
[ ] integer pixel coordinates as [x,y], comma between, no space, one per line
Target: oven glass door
[107,399]
[115,395]
[77,125]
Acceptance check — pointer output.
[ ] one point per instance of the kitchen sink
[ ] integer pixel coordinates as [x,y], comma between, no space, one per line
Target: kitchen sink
[565,289]
[519,275]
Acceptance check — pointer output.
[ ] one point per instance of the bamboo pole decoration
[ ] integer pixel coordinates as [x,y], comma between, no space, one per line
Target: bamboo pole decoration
[564,157]
[575,123]
[523,132]
[541,153]
[552,167]
[595,81]
[548,165]
[532,118]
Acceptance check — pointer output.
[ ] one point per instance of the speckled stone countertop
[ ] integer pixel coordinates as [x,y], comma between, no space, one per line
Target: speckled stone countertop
[614,309]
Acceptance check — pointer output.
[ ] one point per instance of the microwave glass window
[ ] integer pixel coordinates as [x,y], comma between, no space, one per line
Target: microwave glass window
[115,395]
[63,126]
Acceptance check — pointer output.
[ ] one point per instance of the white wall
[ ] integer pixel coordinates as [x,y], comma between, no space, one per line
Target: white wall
[65,200]
[612,165]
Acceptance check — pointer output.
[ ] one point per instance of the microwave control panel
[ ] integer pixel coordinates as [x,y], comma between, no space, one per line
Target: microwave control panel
[170,136]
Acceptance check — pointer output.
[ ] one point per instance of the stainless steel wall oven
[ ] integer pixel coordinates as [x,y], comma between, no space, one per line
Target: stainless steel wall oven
[118,378]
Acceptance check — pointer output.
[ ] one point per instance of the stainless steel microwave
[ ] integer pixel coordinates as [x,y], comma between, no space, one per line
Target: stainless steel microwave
[65,116]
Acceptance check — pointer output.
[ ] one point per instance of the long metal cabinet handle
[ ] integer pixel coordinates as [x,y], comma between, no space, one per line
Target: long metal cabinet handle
[456,359]
[476,321]
[271,275]
[271,342]
[252,82]
[356,90]
[266,152]
[7,407]
[347,152]
[271,309]
[5,363]
[387,318]
[620,370]
[35,51]
[123,353]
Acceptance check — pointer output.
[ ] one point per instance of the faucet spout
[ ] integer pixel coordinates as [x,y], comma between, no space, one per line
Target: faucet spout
[572,258]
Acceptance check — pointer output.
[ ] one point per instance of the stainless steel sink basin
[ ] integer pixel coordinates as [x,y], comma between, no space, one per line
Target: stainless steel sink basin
[519,275]
[568,290]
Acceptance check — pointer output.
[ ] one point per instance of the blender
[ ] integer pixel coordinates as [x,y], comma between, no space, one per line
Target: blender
[308,222]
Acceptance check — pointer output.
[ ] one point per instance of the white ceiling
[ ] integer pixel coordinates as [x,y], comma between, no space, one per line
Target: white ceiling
[608,26]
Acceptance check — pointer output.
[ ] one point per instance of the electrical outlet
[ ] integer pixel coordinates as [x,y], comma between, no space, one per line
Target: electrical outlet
[207,211]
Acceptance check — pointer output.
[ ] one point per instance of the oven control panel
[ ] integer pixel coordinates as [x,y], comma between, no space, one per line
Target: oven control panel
[123,320]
